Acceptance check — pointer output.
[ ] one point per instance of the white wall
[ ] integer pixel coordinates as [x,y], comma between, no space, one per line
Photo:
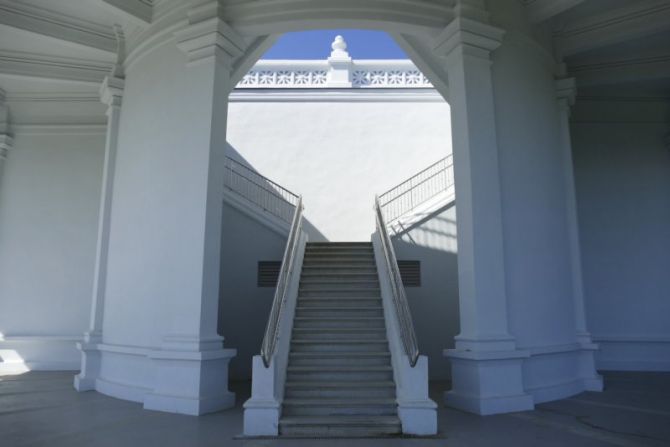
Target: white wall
[339,152]
[245,307]
[434,305]
[622,168]
[49,194]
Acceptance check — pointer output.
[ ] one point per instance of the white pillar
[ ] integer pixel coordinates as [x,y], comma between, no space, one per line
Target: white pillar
[565,94]
[191,367]
[111,93]
[486,366]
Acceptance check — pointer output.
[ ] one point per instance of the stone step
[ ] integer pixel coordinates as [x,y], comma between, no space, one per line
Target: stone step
[329,322]
[339,332]
[339,426]
[359,292]
[339,407]
[308,271]
[341,390]
[327,277]
[329,373]
[339,301]
[339,345]
[336,284]
[340,359]
[338,244]
[343,312]
[340,259]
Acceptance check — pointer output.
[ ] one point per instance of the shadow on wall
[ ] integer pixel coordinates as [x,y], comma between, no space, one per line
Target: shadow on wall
[434,305]
[244,307]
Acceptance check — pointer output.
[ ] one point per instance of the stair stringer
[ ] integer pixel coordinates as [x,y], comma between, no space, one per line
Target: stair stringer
[417,412]
[422,211]
[262,410]
[250,209]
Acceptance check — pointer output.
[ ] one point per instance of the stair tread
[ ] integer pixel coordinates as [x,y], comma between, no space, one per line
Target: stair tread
[330,368]
[340,420]
[336,341]
[339,402]
[351,384]
[334,308]
[342,354]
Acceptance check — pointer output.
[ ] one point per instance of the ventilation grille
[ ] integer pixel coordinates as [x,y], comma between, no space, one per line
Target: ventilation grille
[268,273]
[410,272]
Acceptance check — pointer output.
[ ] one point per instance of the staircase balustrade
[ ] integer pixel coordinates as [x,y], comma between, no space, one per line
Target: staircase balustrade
[272,329]
[259,190]
[417,190]
[406,325]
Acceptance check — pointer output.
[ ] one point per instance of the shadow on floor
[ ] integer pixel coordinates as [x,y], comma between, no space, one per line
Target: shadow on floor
[42,409]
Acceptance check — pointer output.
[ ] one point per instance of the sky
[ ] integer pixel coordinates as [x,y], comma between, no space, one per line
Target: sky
[361,44]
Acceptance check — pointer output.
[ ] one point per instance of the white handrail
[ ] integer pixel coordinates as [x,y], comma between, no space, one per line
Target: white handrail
[272,329]
[406,325]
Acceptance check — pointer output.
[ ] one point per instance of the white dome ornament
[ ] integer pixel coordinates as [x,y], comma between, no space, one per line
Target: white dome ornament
[339,47]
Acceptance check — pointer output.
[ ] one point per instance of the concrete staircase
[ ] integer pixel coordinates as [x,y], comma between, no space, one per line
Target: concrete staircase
[339,378]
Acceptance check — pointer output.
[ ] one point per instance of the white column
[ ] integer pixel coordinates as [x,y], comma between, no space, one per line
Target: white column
[192,366]
[6,141]
[486,366]
[565,94]
[111,93]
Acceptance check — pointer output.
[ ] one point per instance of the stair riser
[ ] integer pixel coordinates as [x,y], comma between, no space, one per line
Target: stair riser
[358,293]
[339,376]
[339,347]
[324,431]
[340,313]
[340,393]
[340,252]
[319,324]
[336,286]
[338,334]
[335,302]
[341,362]
[318,410]
[337,278]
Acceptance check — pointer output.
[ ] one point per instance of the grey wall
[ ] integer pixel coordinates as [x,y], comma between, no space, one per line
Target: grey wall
[244,307]
[434,305]
[622,168]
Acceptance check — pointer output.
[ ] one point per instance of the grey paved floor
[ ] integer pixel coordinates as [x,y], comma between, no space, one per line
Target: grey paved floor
[42,409]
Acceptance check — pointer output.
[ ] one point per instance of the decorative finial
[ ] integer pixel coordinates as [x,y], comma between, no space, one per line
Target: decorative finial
[339,47]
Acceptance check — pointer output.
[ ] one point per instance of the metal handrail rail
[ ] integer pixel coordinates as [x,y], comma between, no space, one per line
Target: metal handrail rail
[272,328]
[292,197]
[418,189]
[407,334]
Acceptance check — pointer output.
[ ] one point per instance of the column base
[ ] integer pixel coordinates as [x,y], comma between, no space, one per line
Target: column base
[488,382]
[261,417]
[190,382]
[90,363]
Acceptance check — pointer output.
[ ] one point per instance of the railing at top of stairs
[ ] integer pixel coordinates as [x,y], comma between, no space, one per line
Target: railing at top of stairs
[260,190]
[406,325]
[272,329]
[418,189]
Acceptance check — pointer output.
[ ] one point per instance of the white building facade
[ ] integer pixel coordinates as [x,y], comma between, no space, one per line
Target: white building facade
[119,234]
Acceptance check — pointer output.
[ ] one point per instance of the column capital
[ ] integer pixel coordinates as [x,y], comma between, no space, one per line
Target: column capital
[111,91]
[566,88]
[472,36]
[207,35]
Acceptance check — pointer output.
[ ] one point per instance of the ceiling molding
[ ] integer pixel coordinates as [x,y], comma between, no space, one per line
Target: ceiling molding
[622,70]
[641,18]
[43,66]
[542,10]
[58,26]
[138,11]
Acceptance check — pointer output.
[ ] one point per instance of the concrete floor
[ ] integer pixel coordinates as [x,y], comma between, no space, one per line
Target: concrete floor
[42,409]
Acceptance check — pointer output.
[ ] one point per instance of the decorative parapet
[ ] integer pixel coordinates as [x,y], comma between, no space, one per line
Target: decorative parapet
[338,71]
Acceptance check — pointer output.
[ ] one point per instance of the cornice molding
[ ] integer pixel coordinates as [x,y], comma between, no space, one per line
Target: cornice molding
[60,129]
[622,70]
[542,10]
[203,40]
[43,66]
[476,38]
[52,24]
[336,95]
[566,89]
[639,19]
[138,11]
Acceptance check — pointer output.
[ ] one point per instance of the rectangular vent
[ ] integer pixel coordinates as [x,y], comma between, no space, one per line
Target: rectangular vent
[410,272]
[268,273]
